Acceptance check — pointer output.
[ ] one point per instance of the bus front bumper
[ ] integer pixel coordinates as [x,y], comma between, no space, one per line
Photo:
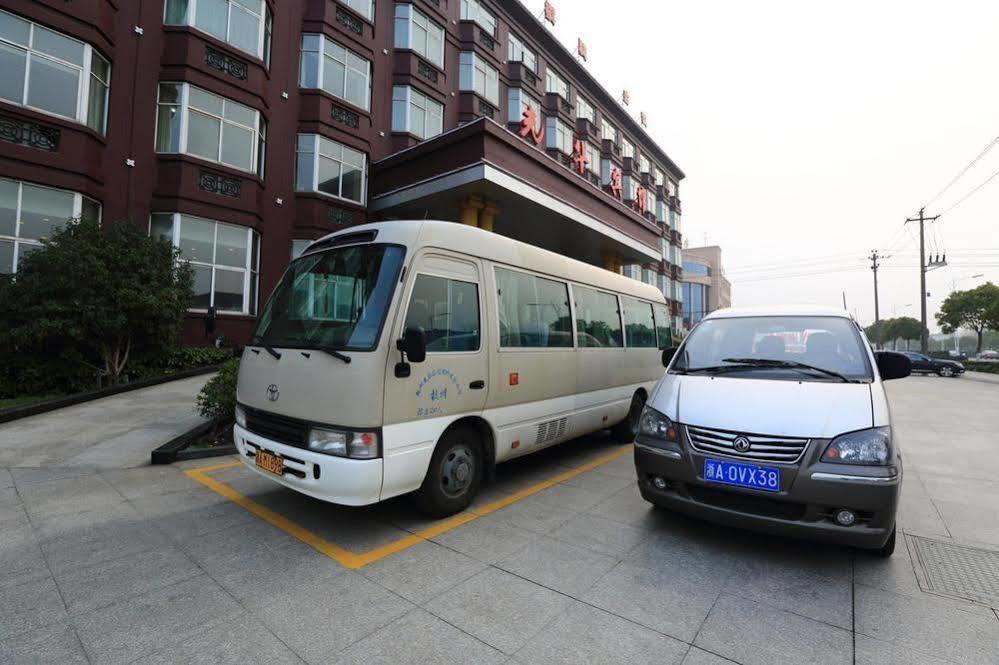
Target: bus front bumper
[339,480]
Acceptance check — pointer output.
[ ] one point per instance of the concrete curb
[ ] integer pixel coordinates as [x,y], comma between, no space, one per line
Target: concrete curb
[9,415]
[174,449]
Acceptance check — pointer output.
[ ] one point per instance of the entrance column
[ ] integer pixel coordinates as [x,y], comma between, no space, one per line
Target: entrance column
[488,216]
[469,208]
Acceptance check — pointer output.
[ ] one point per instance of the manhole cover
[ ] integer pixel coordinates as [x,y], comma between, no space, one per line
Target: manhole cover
[956,570]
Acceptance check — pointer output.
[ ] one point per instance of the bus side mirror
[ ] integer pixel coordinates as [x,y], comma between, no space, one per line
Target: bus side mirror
[414,344]
[892,365]
[668,355]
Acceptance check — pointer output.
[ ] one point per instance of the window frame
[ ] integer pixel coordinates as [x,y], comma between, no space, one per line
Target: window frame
[478,304]
[514,45]
[251,274]
[410,102]
[575,317]
[264,40]
[317,142]
[624,302]
[85,74]
[552,76]
[465,12]
[321,56]
[583,104]
[409,13]
[258,149]
[471,62]
[17,240]
[572,311]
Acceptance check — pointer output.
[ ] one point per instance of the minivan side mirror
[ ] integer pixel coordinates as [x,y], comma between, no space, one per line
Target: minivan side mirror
[892,365]
[668,355]
[414,344]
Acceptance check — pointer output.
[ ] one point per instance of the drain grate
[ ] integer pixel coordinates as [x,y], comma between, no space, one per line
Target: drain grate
[956,570]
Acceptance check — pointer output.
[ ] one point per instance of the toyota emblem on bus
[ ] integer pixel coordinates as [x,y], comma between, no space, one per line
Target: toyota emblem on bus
[273,393]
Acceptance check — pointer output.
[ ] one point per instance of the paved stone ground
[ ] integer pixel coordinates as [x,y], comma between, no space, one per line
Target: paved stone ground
[114,432]
[144,565]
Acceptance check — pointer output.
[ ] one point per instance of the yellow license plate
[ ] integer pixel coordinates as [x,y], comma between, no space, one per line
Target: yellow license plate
[269,462]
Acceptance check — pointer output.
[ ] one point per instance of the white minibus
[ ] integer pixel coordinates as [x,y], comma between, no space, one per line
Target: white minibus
[413,356]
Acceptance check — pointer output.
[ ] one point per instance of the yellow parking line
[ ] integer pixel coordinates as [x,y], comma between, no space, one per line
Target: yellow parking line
[353,560]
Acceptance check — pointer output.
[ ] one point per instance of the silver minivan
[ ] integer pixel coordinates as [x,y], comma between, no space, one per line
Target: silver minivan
[776,420]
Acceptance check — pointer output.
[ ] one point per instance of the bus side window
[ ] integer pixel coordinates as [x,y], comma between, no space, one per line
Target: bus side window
[448,310]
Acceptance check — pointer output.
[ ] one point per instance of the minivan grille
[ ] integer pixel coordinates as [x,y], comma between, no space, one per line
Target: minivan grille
[761,448]
[282,429]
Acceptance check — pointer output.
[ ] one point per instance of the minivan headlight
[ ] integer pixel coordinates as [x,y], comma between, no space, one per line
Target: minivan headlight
[355,445]
[869,446]
[241,416]
[656,426]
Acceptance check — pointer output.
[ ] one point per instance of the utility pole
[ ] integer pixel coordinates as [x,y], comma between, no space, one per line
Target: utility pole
[923,269]
[877,312]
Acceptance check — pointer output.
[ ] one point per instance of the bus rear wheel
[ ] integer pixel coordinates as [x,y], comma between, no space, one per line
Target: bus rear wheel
[455,474]
[627,430]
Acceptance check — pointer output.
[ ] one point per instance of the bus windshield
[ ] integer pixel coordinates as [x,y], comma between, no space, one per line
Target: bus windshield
[332,300]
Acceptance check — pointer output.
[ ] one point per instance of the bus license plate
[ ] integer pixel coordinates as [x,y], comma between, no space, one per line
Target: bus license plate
[270,463]
[766,478]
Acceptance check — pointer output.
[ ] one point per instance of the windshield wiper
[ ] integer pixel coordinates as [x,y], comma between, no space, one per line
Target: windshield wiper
[271,350]
[789,364]
[336,354]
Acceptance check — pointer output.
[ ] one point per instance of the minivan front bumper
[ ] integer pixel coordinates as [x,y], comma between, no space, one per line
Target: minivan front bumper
[804,509]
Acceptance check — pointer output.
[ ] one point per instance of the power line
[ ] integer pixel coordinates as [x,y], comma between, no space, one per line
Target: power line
[967,168]
[970,194]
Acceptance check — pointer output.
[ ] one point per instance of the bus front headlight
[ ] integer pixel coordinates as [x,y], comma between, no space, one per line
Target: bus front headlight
[355,445]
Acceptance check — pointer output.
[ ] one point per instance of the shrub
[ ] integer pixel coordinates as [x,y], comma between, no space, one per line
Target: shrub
[217,400]
[981,366]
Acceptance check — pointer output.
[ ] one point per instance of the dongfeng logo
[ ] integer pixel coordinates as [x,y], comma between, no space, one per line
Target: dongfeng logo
[273,393]
[741,444]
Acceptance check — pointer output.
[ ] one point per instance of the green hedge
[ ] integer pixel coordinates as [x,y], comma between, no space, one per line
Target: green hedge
[981,366]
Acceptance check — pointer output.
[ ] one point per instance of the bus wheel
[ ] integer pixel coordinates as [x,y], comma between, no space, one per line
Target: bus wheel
[627,430]
[454,475]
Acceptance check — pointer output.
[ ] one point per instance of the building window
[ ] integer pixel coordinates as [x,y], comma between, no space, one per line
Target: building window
[559,136]
[627,149]
[328,66]
[660,209]
[244,24]
[478,77]
[533,311]
[585,110]
[629,187]
[643,164]
[363,7]
[608,132]
[225,259]
[674,221]
[194,122]
[29,213]
[415,113]
[657,176]
[413,30]
[472,10]
[448,311]
[519,101]
[598,319]
[331,168]
[517,52]
[671,188]
[556,84]
[593,154]
[49,72]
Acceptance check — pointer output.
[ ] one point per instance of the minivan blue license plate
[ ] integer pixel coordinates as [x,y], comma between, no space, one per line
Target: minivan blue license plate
[765,478]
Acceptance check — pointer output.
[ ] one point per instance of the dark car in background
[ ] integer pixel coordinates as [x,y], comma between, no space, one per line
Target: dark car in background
[925,365]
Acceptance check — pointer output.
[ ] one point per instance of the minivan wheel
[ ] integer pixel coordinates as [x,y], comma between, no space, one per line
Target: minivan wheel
[455,474]
[946,371]
[888,548]
[627,430]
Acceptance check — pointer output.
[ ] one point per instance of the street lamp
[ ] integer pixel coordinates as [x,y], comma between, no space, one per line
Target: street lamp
[953,287]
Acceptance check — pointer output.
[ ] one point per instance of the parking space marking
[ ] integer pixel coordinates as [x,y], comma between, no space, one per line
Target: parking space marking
[354,560]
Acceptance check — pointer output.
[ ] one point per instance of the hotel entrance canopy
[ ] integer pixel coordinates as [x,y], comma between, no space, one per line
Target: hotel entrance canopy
[485,175]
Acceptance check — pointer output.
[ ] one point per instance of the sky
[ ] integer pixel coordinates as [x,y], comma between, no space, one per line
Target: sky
[810,131]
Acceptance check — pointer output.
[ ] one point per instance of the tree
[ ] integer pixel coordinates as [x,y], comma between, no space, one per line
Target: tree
[95,297]
[976,309]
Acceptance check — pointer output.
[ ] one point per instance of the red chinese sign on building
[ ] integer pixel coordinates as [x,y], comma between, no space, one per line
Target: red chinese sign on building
[579,157]
[641,200]
[626,97]
[528,124]
[581,48]
[615,182]
[645,119]
[549,12]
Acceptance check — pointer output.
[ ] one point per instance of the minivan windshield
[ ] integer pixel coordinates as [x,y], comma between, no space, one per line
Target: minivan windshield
[811,348]
[332,300]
